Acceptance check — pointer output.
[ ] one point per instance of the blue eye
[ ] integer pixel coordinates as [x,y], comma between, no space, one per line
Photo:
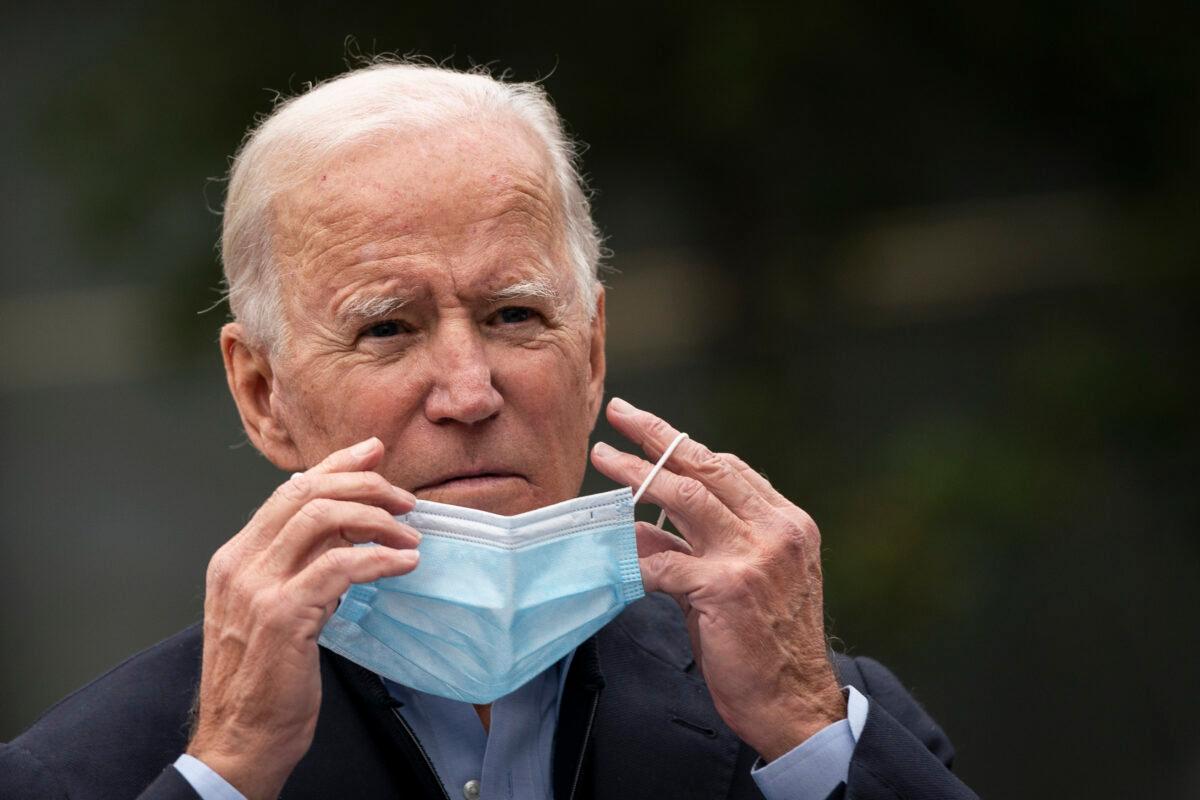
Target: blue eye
[515,314]
[382,330]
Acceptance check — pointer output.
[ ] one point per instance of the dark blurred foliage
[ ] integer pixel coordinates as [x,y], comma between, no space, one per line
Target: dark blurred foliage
[931,268]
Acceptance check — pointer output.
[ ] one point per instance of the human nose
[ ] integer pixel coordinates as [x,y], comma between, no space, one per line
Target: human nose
[462,389]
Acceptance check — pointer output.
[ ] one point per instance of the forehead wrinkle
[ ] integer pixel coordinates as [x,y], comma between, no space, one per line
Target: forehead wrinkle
[302,219]
[499,211]
[341,250]
[372,293]
[423,198]
[524,226]
[522,217]
[522,202]
[517,223]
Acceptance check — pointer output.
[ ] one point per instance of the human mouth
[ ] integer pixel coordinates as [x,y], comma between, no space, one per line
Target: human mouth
[489,487]
[469,481]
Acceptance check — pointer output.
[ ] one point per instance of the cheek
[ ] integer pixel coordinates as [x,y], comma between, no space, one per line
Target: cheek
[336,410]
[549,390]
[548,421]
[380,401]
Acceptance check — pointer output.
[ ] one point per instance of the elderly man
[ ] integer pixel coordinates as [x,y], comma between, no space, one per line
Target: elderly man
[419,339]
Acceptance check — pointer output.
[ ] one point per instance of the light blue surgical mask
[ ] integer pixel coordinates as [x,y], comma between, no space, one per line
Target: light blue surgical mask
[495,600]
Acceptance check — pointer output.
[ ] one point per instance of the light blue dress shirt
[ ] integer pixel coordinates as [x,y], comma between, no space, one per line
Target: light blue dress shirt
[510,761]
[815,767]
[513,760]
[207,783]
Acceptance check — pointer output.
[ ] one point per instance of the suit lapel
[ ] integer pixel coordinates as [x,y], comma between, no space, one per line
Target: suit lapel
[354,700]
[655,733]
[570,762]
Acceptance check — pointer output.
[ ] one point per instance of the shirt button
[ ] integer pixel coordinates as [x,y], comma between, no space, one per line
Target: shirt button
[471,790]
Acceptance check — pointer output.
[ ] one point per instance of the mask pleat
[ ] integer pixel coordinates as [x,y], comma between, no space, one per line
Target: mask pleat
[497,602]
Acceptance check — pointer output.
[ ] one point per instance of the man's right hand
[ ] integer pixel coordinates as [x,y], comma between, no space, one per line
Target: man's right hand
[270,590]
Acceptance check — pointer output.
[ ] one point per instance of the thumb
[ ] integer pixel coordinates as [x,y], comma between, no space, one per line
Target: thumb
[652,539]
[673,572]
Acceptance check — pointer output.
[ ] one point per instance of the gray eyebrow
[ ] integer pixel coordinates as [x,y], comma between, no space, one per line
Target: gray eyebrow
[542,288]
[536,287]
[372,306]
[375,306]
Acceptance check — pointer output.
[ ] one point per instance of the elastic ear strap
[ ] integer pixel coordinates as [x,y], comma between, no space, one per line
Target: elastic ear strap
[657,467]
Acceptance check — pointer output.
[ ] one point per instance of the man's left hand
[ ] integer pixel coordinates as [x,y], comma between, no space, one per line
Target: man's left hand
[747,574]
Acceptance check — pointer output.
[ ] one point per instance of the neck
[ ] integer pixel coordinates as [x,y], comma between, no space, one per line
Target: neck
[485,716]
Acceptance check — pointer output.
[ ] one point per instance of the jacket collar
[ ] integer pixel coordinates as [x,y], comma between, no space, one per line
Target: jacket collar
[570,776]
[636,719]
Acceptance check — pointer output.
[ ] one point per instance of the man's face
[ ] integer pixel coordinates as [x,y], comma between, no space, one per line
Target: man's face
[430,303]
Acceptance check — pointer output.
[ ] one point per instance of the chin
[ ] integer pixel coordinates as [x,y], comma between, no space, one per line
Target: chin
[507,495]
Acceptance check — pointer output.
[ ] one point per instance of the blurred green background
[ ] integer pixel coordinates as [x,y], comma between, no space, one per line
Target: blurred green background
[932,269]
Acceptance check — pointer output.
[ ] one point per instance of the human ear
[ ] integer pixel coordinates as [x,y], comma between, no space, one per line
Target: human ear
[596,358]
[252,383]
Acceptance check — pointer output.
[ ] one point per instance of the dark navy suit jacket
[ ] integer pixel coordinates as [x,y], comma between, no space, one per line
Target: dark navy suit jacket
[636,722]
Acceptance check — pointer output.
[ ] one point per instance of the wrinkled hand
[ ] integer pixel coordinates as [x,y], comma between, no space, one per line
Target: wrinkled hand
[748,577]
[270,590]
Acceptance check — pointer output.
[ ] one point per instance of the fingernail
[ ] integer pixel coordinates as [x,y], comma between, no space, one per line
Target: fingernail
[404,496]
[620,406]
[364,449]
[603,450]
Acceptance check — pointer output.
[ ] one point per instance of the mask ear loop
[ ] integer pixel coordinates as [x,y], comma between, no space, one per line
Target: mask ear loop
[662,460]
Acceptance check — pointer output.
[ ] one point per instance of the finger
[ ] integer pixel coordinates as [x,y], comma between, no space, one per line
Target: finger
[757,480]
[364,455]
[691,458]
[327,578]
[323,523]
[700,517]
[675,573]
[652,539]
[360,486]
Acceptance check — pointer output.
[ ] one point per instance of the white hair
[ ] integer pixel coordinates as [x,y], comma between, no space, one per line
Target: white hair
[303,134]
